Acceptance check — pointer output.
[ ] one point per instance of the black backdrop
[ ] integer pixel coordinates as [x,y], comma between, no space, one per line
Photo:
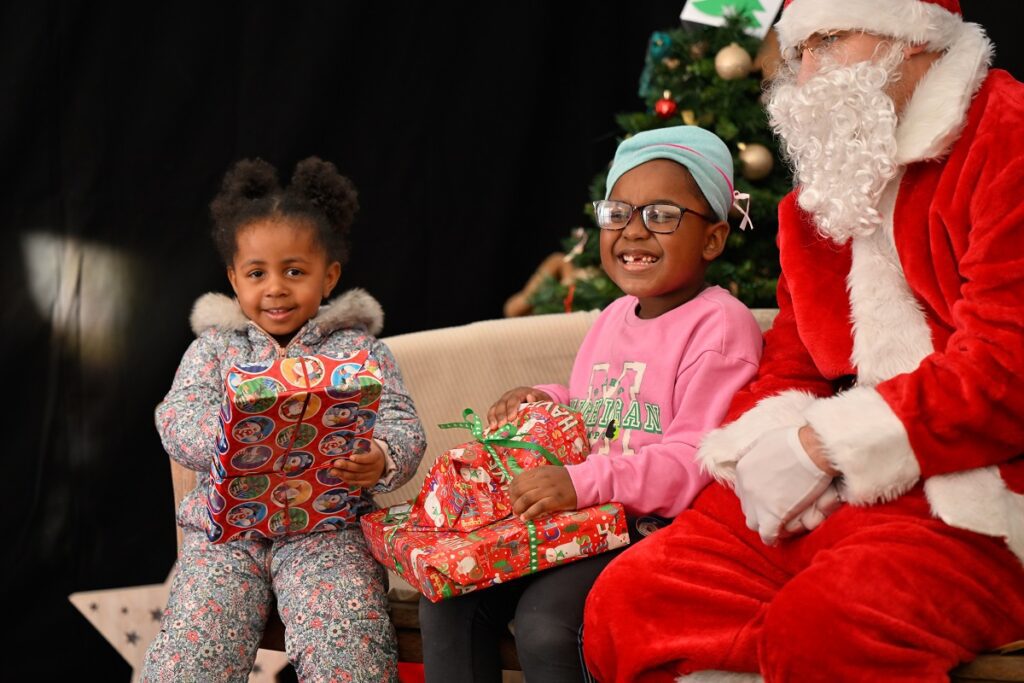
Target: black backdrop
[471,131]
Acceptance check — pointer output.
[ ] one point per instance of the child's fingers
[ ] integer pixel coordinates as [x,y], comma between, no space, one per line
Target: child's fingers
[507,411]
[548,504]
[528,395]
[351,465]
[499,410]
[367,458]
[494,412]
[522,500]
[353,476]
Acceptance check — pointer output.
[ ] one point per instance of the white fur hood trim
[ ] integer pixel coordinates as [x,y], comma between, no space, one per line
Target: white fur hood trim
[937,111]
[354,307]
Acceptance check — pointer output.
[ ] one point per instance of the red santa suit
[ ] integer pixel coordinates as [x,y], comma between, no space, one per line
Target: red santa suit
[904,351]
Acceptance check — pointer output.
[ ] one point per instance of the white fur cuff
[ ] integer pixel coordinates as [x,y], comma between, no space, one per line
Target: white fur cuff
[867,443]
[721,449]
[979,500]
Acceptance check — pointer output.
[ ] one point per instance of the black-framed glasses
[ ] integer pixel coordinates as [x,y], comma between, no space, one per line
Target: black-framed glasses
[660,218]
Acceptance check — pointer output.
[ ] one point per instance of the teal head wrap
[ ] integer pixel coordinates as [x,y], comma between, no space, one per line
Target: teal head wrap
[702,152]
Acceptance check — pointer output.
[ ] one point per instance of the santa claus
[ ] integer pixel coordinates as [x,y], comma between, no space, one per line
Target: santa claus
[869,523]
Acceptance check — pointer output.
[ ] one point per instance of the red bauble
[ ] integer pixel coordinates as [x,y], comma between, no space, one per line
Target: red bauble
[665,107]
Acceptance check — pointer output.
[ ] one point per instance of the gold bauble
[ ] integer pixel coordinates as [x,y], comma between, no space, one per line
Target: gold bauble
[733,62]
[689,118]
[756,160]
[671,63]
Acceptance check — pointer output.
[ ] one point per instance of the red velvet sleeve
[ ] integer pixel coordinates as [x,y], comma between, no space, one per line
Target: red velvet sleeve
[785,363]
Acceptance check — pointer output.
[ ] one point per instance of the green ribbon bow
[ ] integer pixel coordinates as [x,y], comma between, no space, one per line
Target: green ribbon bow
[502,437]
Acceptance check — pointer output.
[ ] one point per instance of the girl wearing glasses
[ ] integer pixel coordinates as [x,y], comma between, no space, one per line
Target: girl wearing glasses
[655,372]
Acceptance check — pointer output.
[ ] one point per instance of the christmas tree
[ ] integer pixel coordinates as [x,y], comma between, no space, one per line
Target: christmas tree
[703,76]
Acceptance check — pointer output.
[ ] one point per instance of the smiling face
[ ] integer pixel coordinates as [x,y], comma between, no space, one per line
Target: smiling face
[280,275]
[662,271]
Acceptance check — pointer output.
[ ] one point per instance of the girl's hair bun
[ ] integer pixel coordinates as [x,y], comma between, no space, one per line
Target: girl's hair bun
[247,181]
[317,194]
[318,182]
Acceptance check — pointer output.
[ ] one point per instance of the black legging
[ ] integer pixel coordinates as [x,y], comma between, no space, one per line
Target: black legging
[460,635]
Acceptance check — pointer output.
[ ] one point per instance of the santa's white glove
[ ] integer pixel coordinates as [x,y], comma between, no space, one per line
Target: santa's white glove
[819,510]
[776,481]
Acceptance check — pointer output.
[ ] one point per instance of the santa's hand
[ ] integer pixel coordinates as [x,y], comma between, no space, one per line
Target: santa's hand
[815,514]
[540,490]
[776,481]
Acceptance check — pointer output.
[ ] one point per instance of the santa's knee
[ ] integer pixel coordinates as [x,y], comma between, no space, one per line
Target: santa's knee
[805,631]
[607,608]
[605,598]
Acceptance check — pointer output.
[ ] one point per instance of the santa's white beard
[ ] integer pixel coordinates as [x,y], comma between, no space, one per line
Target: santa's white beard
[839,135]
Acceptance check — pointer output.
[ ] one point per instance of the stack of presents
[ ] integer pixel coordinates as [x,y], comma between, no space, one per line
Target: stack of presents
[284,424]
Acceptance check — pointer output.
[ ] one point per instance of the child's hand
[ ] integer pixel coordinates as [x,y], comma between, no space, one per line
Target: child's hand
[361,469]
[506,407]
[540,490]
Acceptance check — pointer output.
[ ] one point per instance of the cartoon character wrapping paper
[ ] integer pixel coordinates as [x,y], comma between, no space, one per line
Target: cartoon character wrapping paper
[282,424]
[459,535]
[467,486]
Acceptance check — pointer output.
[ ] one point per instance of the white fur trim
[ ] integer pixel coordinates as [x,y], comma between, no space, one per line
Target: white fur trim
[867,443]
[890,332]
[937,111]
[353,308]
[979,500]
[216,310]
[719,677]
[919,23]
[721,449]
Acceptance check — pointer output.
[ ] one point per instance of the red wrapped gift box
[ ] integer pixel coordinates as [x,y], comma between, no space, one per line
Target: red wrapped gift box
[442,564]
[281,426]
[467,487]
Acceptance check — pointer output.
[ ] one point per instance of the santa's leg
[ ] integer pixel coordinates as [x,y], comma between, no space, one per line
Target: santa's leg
[891,594]
[690,597]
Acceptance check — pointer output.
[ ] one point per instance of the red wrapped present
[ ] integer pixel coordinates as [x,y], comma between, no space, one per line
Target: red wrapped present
[467,487]
[282,424]
[442,564]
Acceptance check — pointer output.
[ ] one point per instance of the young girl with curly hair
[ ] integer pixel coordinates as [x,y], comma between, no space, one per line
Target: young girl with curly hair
[283,248]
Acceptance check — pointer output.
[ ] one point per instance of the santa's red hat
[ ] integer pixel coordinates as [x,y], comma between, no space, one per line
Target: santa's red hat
[934,23]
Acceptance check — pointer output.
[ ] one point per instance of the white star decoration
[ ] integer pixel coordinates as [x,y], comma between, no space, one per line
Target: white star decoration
[129,618]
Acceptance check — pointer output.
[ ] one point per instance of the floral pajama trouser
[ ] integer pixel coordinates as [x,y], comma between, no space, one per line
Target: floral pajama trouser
[331,595]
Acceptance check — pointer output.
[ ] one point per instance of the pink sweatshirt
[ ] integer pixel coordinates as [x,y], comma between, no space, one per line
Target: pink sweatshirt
[649,390]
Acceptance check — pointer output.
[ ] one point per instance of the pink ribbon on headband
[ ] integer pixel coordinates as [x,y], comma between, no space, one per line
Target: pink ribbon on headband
[737,196]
